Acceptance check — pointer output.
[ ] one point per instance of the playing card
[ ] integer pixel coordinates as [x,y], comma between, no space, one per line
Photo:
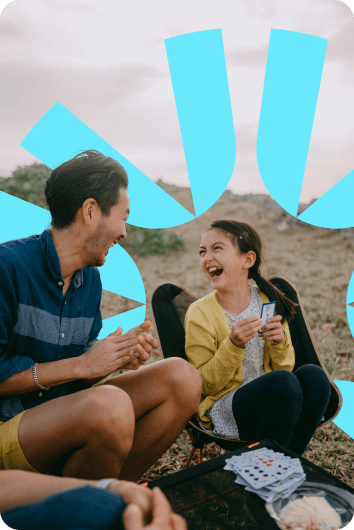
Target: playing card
[268,311]
[269,474]
[263,471]
[268,496]
[281,486]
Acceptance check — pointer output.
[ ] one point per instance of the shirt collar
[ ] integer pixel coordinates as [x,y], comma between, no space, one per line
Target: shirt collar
[53,262]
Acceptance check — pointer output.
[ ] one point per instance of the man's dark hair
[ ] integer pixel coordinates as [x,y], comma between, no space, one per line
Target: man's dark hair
[89,175]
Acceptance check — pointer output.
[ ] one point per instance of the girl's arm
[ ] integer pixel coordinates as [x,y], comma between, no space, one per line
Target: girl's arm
[282,354]
[217,366]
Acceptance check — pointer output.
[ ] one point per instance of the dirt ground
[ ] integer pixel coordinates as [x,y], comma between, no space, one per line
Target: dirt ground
[318,262]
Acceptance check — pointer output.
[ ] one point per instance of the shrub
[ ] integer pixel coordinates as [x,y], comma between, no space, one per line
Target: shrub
[332,367]
[27,183]
[145,241]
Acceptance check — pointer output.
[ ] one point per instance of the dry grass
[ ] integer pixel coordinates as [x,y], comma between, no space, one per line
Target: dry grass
[318,262]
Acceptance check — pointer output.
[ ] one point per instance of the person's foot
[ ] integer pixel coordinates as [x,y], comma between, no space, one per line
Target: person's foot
[255,510]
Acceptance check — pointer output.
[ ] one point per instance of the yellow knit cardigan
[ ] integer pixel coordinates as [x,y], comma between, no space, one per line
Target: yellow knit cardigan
[219,361]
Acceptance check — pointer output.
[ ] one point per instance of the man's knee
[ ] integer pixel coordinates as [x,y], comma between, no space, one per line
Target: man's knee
[107,413]
[185,381]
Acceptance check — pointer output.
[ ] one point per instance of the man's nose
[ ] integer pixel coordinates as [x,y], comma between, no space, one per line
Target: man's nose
[124,233]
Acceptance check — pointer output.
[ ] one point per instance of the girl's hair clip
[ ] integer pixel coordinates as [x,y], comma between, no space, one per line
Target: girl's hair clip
[245,234]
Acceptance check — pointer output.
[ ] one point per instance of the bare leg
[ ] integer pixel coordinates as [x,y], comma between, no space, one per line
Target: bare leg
[86,435]
[165,395]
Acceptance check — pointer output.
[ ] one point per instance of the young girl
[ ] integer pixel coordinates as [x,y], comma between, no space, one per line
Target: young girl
[249,390]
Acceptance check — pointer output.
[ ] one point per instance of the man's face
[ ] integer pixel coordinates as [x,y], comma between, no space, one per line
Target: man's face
[110,230]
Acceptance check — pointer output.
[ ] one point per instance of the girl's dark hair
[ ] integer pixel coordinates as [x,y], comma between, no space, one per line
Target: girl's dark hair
[246,238]
[89,175]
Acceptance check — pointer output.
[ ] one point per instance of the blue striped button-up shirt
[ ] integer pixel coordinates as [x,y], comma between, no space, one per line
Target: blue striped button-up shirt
[37,324]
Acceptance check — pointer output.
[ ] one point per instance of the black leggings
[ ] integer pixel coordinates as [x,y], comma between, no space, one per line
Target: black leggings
[283,406]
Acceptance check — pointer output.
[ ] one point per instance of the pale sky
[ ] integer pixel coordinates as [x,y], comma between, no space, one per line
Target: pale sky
[106,62]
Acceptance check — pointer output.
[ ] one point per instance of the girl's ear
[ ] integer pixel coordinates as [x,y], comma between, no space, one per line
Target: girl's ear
[250,259]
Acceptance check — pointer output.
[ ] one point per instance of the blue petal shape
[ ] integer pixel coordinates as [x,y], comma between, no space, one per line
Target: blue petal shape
[335,208]
[20,218]
[291,86]
[350,292]
[59,134]
[345,418]
[120,275]
[201,89]
[129,319]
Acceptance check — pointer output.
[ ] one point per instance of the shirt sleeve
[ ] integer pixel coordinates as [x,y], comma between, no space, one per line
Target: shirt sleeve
[9,365]
[95,331]
[282,354]
[217,366]
[97,323]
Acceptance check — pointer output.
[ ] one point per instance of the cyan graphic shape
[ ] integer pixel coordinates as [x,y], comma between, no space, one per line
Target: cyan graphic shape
[59,134]
[350,300]
[20,218]
[127,320]
[201,89]
[335,208]
[291,86]
[119,274]
[345,418]
[350,291]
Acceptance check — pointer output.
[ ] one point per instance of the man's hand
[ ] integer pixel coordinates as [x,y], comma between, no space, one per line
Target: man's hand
[244,330]
[275,330]
[162,516]
[106,356]
[142,351]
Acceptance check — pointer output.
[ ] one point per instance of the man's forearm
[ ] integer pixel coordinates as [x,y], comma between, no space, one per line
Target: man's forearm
[48,375]
[22,487]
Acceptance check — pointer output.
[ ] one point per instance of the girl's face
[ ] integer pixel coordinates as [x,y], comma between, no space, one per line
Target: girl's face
[221,261]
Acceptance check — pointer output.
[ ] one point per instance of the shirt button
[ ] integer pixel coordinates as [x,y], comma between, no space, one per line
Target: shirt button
[60,284]
[62,335]
[40,394]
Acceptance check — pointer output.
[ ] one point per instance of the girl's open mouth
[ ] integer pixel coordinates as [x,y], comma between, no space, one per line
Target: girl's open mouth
[215,272]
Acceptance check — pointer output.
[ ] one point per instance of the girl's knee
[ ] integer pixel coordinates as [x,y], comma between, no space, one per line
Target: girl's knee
[314,379]
[286,388]
[313,374]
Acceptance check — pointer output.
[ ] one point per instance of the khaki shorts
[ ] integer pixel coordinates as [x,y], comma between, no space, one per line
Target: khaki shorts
[11,454]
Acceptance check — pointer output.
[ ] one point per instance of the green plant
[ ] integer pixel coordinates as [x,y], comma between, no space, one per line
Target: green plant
[331,367]
[27,183]
[146,241]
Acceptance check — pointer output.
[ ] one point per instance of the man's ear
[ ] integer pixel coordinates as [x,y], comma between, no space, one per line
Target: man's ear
[90,210]
[250,259]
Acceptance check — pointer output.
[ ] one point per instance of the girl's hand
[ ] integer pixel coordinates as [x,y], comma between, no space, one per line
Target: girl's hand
[244,330]
[275,330]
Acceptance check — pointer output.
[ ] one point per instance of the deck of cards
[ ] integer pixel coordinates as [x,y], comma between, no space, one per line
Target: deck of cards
[271,475]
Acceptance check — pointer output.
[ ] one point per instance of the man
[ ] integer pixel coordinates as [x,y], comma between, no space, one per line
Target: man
[50,292]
